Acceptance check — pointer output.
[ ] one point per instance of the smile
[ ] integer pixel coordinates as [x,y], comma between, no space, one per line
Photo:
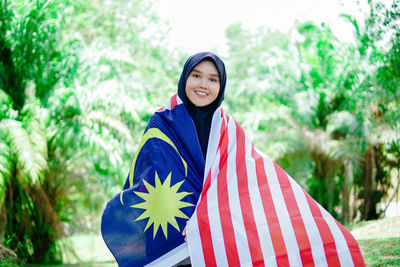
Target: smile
[200,93]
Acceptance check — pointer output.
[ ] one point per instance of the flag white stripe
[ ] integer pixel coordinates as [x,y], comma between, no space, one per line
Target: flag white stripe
[316,243]
[340,241]
[213,141]
[234,202]
[256,202]
[214,217]
[178,100]
[282,214]
[215,171]
[194,241]
[171,258]
[168,106]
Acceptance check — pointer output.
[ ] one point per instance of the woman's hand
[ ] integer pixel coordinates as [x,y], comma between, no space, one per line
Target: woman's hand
[184,232]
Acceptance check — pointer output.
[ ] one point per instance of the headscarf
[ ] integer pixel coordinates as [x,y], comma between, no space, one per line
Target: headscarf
[202,116]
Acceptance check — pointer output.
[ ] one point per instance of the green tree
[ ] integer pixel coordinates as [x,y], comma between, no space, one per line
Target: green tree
[378,43]
[30,66]
[67,127]
[314,102]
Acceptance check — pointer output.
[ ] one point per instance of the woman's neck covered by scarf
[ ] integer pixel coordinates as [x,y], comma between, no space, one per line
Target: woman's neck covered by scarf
[202,116]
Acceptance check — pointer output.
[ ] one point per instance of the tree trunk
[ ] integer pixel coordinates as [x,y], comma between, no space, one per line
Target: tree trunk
[346,190]
[368,196]
[326,186]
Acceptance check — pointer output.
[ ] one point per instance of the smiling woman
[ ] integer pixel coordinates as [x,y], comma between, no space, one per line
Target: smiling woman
[167,173]
[241,208]
[202,85]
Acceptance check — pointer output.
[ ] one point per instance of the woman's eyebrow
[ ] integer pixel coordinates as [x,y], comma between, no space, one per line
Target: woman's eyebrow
[194,70]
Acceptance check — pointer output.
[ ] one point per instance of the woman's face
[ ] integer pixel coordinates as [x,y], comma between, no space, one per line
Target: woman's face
[202,85]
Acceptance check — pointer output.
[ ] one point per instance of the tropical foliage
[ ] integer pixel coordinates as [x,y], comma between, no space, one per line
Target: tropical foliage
[79,80]
[68,116]
[326,109]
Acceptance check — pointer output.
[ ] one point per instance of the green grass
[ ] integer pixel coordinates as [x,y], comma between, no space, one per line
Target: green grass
[381,252]
[83,251]
[88,250]
[379,241]
[383,228]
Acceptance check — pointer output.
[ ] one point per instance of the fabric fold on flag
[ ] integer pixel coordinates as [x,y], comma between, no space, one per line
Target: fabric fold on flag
[252,213]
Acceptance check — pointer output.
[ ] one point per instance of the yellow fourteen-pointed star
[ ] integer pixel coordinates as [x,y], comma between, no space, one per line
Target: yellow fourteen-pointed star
[162,204]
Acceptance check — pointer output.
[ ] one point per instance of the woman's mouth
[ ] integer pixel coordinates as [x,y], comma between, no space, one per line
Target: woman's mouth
[200,93]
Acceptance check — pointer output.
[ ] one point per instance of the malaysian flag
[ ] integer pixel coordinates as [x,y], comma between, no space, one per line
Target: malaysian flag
[142,226]
[251,213]
[246,211]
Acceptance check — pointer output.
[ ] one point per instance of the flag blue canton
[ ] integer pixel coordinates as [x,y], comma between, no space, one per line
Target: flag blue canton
[130,218]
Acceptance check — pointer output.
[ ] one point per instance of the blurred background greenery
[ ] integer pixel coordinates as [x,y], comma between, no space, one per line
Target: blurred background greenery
[80,79]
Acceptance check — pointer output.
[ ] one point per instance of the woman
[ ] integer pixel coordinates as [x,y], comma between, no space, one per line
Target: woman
[195,161]
[172,151]
[201,88]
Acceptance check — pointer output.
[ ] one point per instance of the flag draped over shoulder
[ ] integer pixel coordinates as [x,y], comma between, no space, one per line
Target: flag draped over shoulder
[244,209]
[144,223]
[251,213]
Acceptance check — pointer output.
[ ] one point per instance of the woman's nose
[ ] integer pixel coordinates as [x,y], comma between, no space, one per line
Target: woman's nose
[203,83]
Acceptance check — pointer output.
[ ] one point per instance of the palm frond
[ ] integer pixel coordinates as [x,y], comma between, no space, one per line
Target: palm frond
[342,123]
[353,21]
[28,150]
[386,134]
[316,141]
[6,103]
[5,99]
[347,150]
[103,144]
[5,167]
[112,123]
[37,137]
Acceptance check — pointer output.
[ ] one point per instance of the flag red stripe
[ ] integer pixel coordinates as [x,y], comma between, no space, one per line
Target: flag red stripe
[230,241]
[270,212]
[174,101]
[204,226]
[297,222]
[244,197]
[331,254]
[202,211]
[353,246]
[223,203]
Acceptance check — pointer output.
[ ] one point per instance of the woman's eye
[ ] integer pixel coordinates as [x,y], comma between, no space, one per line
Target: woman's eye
[213,80]
[195,75]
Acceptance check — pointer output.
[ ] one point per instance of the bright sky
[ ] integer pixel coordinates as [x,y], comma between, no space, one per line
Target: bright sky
[198,25]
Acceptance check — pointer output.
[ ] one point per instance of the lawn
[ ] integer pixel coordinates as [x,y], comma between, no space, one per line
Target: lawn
[89,250]
[379,241]
[381,251]
[84,251]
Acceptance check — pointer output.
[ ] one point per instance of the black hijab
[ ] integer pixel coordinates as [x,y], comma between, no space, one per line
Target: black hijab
[202,116]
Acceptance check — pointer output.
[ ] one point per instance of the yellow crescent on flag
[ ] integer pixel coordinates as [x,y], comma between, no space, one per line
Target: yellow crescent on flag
[151,133]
